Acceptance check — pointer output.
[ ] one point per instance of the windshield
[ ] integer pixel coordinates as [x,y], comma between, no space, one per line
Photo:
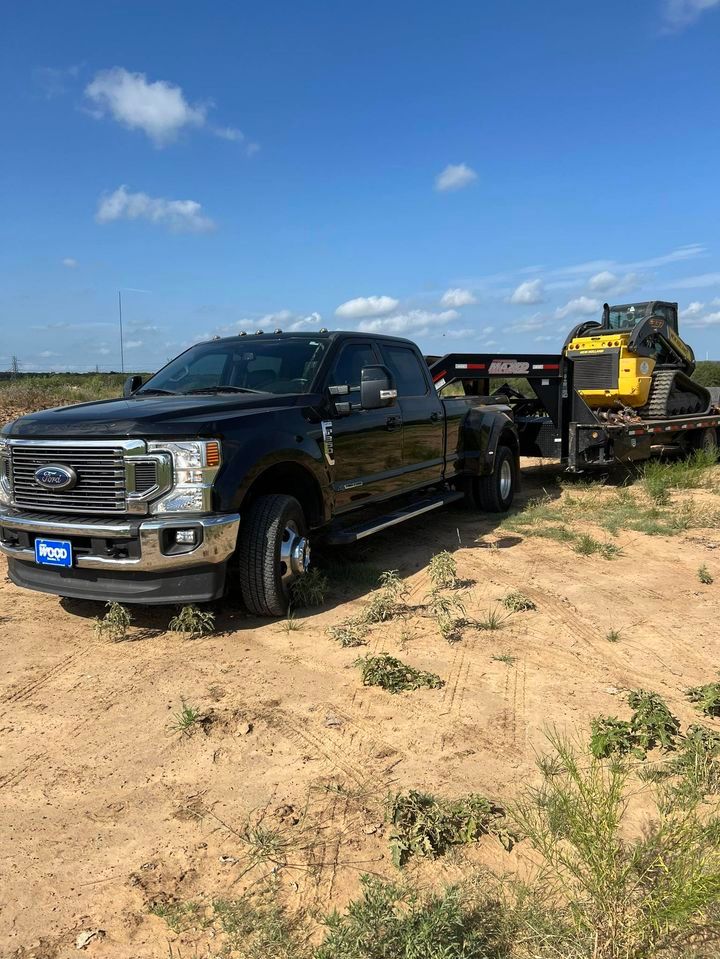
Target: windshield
[256,366]
[626,317]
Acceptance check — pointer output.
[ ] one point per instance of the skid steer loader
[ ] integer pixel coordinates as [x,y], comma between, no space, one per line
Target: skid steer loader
[635,358]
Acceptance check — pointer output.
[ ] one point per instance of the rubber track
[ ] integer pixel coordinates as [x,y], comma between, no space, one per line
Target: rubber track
[258,535]
[663,404]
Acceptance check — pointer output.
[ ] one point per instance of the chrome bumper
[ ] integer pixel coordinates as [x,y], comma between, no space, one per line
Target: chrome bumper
[218,539]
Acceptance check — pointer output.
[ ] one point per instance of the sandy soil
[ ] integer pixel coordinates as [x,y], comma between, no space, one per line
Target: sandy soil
[104,811]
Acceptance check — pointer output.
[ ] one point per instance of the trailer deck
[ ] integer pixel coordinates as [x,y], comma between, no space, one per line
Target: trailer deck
[557,423]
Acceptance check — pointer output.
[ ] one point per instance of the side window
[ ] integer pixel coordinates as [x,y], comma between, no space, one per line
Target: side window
[669,313]
[346,371]
[405,367]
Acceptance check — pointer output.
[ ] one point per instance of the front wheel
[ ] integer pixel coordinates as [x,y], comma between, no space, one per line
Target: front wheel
[494,493]
[273,552]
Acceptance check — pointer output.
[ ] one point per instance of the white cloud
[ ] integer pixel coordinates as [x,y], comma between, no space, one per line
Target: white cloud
[157,108]
[704,279]
[709,319]
[366,306]
[229,133]
[607,282]
[687,252]
[535,322]
[179,216]
[133,344]
[457,297]
[314,320]
[692,309]
[531,291]
[681,13]
[70,262]
[455,176]
[580,306]
[416,322]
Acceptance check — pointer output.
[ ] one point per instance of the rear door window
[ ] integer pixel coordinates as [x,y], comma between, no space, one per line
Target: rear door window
[405,366]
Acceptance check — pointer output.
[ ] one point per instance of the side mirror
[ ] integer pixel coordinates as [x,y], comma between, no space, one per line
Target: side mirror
[131,385]
[376,388]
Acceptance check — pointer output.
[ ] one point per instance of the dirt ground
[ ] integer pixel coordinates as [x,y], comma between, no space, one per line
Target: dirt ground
[104,811]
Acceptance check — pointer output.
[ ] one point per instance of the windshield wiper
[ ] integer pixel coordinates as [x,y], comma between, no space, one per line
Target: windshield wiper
[222,389]
[155,390]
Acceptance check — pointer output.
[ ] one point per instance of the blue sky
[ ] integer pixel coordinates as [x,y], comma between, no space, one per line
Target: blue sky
[473,175]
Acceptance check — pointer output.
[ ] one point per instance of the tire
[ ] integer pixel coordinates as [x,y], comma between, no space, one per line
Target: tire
[708,441]
[494,493]
[273,550]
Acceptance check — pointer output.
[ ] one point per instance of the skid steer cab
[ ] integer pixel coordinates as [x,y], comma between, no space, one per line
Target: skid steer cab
[635,358]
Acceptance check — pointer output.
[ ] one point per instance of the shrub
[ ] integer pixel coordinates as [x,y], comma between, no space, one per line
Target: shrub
[517,602]
[193,622]
[424,825]
[443,570]
[706,698]
[652,724]
[597,893]
[391,921]
[395,676]
[705,576]
[115,623]
[448,611]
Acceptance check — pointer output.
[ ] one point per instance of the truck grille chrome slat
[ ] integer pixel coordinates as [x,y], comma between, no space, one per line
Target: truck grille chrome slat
[101,470]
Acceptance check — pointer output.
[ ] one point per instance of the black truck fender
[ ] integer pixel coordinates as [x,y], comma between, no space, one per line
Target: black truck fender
[483,430]
[281,463]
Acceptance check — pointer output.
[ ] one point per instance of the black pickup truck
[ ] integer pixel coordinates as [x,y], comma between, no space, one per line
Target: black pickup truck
[217,472]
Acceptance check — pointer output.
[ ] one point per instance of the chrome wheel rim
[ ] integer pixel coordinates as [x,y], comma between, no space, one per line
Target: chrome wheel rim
[506,479]
[294,555]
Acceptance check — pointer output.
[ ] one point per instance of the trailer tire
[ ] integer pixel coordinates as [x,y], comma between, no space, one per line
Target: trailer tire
[273,551]
[709,441]
[495,492]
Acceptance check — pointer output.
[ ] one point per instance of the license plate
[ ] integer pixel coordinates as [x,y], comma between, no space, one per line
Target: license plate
[53,552]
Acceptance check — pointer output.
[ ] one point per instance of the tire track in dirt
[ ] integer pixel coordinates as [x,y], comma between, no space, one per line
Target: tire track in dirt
[25,692]
[319,744]
[14,776]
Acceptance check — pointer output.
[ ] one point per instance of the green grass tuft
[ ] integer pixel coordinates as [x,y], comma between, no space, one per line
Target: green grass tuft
[309,590]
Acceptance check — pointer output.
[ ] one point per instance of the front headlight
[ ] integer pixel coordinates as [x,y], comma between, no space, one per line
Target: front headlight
[195,466]
[5,483]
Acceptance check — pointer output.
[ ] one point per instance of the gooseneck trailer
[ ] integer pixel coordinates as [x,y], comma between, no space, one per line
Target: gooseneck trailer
[555,422]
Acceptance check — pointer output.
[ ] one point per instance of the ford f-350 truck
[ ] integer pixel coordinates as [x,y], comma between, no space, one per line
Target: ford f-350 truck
[218,472]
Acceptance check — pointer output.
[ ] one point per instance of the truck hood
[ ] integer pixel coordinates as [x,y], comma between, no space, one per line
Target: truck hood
[164,417]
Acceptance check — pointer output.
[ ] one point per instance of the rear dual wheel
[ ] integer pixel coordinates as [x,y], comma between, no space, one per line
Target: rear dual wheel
[273,552]
[495,492]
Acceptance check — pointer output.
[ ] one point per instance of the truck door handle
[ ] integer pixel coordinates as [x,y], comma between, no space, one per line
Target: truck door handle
[434,417]
[392,422]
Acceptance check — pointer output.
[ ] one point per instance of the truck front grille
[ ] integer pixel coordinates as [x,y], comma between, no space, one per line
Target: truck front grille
[100,487]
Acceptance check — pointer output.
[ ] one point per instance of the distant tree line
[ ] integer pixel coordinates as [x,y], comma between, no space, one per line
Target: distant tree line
[707,373]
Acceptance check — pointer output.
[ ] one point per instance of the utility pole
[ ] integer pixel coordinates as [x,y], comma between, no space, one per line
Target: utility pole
[122,350]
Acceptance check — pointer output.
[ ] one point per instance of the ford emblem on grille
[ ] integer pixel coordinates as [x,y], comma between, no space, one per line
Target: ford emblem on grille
[56,477]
